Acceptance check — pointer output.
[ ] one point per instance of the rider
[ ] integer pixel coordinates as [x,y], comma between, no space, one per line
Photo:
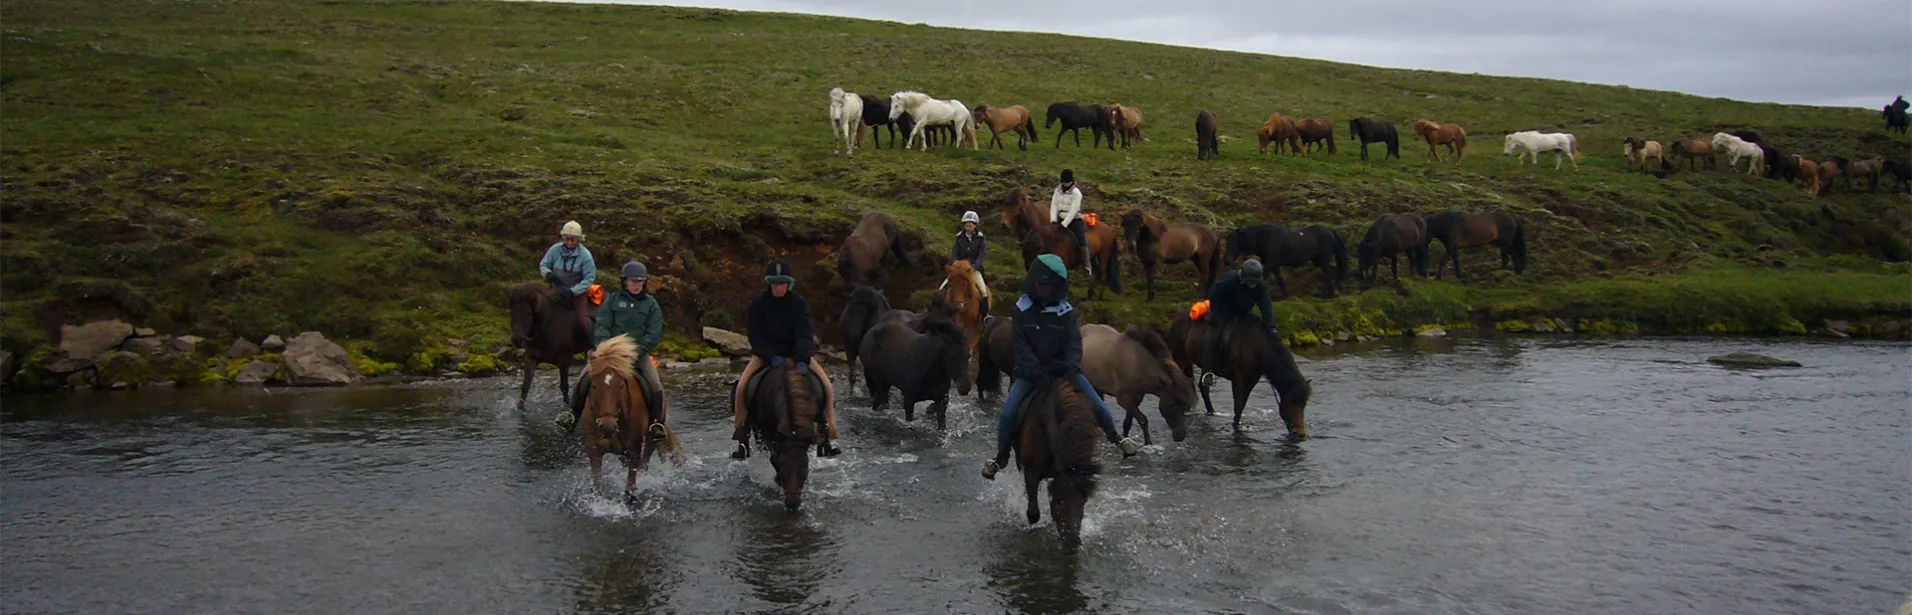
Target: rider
[1899,105]
[1048,347]
[632,311]
[1234,295]
[569,268]
[1065,208]
[973,247]
[779,328]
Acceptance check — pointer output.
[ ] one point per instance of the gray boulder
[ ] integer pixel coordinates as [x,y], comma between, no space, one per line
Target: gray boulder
[273,343]
[731,343]
[89,340]
[241,348]
[146,346]
[187,343]
[256,372]
[312,360]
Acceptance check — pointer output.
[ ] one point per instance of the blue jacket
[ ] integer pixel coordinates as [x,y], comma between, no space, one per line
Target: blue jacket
[577,261]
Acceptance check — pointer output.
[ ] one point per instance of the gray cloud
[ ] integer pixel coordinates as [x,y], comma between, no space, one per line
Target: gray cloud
[1848,53]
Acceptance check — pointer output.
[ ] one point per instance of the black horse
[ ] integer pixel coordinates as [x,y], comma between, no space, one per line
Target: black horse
[1075,117]
[1902,173]
[1374,131]
[1278,247]
[1780,165]
[876,115]
[920,364]
[1749,137]
[861,309]
[1895,116]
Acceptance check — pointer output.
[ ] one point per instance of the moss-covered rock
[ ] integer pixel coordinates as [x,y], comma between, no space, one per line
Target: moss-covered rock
[479,365]
[1514,326]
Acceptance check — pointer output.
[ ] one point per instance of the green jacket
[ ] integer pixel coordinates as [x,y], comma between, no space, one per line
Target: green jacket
[637,316]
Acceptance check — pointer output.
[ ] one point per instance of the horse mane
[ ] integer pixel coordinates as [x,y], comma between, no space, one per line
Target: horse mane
[803,403]
[1072,445]
[944,327]
[614,356]
[1181,387]
[532,293]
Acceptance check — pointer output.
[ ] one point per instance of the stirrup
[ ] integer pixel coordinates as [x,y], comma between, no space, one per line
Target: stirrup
[828,449]
[658,432]
[990,468]
[1130,447]
[742,452]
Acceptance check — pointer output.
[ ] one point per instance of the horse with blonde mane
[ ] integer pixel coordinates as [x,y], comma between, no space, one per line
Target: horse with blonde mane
[1450,135]
[1006,119]
[932,112]
[1127,123]
[846,120]
[1563,145]
[967,299]
[1737,148]
[1276,130]
[616,417]
[1638,151]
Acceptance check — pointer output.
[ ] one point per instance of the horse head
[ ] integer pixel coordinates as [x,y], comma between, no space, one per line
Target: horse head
[1133,225]
[527,310]
[790,454]
[1294,408]
[900,103]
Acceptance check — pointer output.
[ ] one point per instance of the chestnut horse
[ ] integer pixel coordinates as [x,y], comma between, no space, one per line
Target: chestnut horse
[1030,224]
[1157,242]
[1207,137]
[1450,135]
[962,296]
[1456,230]
[1315,131]
[1005,119]
[1127,123]
[866,253]
[616,418]
[1691,151]
[1277,130]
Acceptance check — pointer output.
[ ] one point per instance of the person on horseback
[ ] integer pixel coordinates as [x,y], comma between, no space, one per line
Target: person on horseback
[1233,297]
[779,329]
[972,246]
[569,268]
[1065,208]
[1899,105]
[631,311]
[1048,347]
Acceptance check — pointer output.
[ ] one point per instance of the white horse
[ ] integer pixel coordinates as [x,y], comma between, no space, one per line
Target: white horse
[1737,148]
[1535,142]
[929,112]
[846,120]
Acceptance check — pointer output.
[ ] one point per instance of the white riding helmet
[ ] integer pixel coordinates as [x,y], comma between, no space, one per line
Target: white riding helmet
[970,216]
[572,229]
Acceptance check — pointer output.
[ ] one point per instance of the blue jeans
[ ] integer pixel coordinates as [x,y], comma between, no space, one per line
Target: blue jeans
[1006,424]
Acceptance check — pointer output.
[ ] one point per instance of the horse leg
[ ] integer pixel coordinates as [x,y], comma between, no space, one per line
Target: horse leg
[1207,382]
[597,472]
[1243,385]
[1132,409]
[1148,277]
[524,390]
[909,407]
[1031,481]
[564,376]
[1457,264]
[1394,265]
[1279,283]
[940,408]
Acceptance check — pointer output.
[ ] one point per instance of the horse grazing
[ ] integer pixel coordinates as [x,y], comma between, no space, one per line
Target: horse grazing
[1126,121]
[1134,364]
[1056,441]
[1075,117]
[1315,132]
[783,408]
[1456,230]
[876,113]
[846,121]
[1007,119]
[1450,135]
[1390,237]
[1638,151]
[861,308]
[1691,151]
[618,419]
[1279,129]
[932,112]
[1278,247]
[1736,148]
[1157,242]
[543,326]
[1535,142]
[1030,224]
[920,365]
[1373,131]
[864,256]
[1250,357]
[965,301]
[1207,136]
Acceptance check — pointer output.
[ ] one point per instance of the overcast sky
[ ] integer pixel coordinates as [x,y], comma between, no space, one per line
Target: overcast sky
[1828,52]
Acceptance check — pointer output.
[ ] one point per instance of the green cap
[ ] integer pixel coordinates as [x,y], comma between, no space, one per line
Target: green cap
[1054,263]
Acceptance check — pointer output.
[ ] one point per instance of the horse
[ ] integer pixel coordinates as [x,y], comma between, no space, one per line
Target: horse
[1056,441]
[1006,119]
[1690,150]
[1457,230]
[1126,121]
[1372,131]
[1207,137]
[618,418]
[876,112]
[1389,237]
[1638,151]
[1535,142]
[1075,117]
[861,308]
[929,111]
[1279,129]
[1737,148]
[783,411]
[1896,119]
[965,300]
[1901,173]
[1869,169]
[1450,135]
[846,120]
[1314,132]
[876,238]
[1808,177]
[1156,242]
[1129,365]
[1278,247]
[920,365]
[1251,357]
[1037,236]
[1779,165]
[543,326]
[1749,136]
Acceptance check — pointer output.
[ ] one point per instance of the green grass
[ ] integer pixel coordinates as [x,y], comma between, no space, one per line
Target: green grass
[383,171]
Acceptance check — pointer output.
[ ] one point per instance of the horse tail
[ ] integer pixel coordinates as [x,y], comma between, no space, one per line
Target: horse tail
[1520,247]
[1331,138]
[1029,124]
[1340,256]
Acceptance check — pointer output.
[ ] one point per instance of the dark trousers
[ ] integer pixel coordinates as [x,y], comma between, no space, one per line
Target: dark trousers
[1080,230]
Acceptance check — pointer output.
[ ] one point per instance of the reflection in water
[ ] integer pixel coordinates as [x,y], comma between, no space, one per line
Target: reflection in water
[629,571]
[785,557]
[1035,573]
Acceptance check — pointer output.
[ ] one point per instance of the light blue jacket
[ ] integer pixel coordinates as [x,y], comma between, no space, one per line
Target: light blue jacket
[559,259]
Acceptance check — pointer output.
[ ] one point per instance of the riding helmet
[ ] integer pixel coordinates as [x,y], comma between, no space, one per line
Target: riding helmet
[1068,175]
[778,272]
[572,229]
[970,216]
[1251,272]
[635,270]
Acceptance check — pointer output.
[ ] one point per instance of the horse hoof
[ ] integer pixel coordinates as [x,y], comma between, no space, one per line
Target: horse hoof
[630,498]
[793,506]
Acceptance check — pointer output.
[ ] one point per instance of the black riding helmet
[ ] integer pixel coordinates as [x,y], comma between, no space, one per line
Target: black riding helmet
[1251,272]
[779,272]
[635,270]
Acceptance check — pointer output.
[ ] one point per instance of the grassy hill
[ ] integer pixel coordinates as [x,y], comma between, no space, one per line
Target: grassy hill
[383,171]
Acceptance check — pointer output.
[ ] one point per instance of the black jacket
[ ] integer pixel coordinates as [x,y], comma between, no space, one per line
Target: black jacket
[972,249]
[1230,299]
[781,327]
[1047,338]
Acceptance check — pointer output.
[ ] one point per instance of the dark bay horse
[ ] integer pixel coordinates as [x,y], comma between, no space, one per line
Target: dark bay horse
[920,365]
[1157,242]
[1456,230]
[1207,136]
[1896,119]
[1252,357]
[543,326]
[1129,365]
[860,311]
[1056,441]
[1029,223]
[783,413]
[1390,237]
[1374,131]
[1314,132]
[1075,117]
[876,240]
[1278,247]
[1901,174]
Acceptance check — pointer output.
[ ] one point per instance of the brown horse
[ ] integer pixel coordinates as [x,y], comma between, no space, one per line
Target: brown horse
[1869,169]
[1133,364]
[861,308]
[1207,136]
[1457,230]
[1390,237]
[1277,130]
[1450,135]
[1006,119]
[1029,223]
[1315,131]
[1251,357]
[968,302]
[1691,151]
[543,326]
[1808,174]
[1157,242]
[1638,151]
[868,250]
[617,418]
[1127,122]
[784,410]
[1057,441]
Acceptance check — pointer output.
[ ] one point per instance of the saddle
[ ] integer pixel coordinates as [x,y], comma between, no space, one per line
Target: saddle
[750,387]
